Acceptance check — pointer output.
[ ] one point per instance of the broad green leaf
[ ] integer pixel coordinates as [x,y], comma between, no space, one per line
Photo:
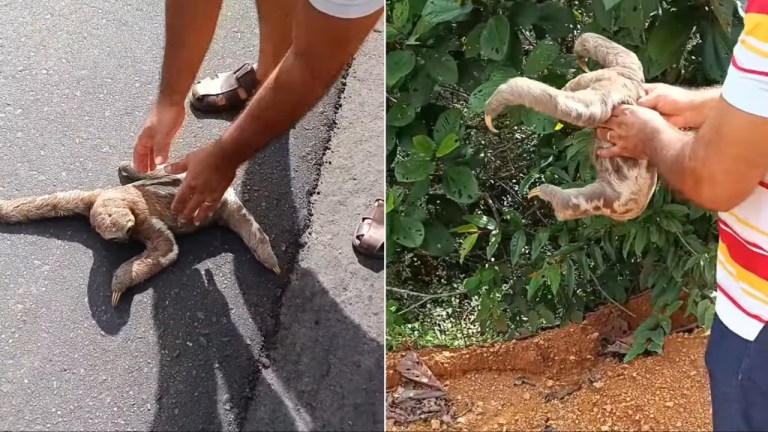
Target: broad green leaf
[526,13]
[723,10]
[495,38]
[399,64]
[493,243]
[597,257]
[423,146]
[552,275]
[437,11]
[460,185]
[709,316]
[481,221]
[392,33]
[609,4]
[538,122]
[418,191]
[640,240]
[578,142]
[472,285]
[443,68]
[539,240]
[420,88]
[635,13]
[390,202]
[466,246]
[437,240]
[525,183]
[448,145]
[400,13]
[540,57]
[533,319]
[516,245]
[667,40]
[401,114]
[472,42]
[448,122]
[533,287]
[570,276]
[468,228]
[675,209]
[407,231]
[482,93]
[546,315]
[603,16]
[414,169]
[390,137]
[394,197]
[608,247]
[557,19]
[637,348]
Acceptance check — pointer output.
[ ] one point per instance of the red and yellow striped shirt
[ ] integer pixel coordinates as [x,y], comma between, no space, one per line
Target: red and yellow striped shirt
[742,255]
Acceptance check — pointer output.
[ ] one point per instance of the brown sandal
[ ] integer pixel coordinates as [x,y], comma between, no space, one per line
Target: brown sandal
[370,233]
[227,91]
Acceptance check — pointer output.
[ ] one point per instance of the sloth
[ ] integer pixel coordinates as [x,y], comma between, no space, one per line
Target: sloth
[140,210]
[623,186]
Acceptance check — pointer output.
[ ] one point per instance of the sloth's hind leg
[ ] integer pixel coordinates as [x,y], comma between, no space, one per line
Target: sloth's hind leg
[581,108]
[161,251]
[591,200]
[234,215]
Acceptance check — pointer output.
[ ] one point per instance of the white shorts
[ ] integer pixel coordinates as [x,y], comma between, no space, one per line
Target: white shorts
[347,8]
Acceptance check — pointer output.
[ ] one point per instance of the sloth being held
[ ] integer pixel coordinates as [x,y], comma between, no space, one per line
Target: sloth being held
[624,186]
[140,209]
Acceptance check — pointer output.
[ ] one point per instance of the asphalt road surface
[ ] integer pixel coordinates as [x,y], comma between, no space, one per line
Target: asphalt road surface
[200,345]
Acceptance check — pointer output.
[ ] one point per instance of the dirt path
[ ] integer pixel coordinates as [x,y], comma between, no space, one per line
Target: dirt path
[556,382]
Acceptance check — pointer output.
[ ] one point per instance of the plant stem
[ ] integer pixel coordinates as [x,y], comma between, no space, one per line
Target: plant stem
[426,297]
[597,284]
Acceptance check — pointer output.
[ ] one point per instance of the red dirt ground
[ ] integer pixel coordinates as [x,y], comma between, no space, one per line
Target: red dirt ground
[502,387]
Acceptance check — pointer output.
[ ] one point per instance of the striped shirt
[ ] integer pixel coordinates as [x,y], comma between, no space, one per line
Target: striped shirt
[742,254]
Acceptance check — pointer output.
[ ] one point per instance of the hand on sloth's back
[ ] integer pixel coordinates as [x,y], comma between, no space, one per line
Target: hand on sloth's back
[675,104]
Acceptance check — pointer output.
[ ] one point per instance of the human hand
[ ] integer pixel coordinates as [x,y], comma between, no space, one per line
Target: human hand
[632,129]
[677,105]
[154,142]
[210,171]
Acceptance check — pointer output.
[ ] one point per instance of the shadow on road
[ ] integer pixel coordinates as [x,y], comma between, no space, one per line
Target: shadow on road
[329,369]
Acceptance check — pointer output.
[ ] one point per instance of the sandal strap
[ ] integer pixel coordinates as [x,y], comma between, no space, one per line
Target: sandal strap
[229,82]
[373,239]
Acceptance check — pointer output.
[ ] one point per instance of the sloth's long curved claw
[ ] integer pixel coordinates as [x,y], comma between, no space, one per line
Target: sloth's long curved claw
[116,298]
[489,123]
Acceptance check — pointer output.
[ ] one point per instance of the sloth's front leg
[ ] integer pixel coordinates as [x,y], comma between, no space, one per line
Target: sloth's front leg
[591,200]
[161,251]
[582,108]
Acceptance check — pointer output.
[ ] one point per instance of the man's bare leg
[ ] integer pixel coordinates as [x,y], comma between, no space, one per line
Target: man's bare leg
[230,91]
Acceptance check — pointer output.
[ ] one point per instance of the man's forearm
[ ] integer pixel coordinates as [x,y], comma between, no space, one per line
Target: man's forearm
[671,154]
[322,46]
[287,95]
[189,29]
[706,99]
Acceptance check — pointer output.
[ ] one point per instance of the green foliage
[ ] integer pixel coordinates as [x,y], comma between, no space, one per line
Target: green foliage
[457,214]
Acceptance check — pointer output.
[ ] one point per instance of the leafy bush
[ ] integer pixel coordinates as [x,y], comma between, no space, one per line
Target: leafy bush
[460,231]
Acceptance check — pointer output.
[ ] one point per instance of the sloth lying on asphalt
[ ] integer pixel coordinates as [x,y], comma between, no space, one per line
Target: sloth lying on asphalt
[140,209]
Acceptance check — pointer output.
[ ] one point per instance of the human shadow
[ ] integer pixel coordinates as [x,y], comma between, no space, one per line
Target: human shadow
[327,371]
[208,365]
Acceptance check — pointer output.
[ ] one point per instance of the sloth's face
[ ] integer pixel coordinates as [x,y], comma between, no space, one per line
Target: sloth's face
[114,224]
